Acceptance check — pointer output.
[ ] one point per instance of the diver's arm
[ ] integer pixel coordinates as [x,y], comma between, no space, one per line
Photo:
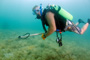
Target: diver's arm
[52,26]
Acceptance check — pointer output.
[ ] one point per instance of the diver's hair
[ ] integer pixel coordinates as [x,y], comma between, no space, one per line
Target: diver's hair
[34,7]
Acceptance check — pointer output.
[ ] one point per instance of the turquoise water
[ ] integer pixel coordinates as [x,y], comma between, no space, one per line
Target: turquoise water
[16,19]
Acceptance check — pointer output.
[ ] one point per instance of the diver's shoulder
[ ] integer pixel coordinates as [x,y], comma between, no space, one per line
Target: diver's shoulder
[49,13]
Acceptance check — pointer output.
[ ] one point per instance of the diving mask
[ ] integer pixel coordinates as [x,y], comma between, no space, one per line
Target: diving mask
[37,10]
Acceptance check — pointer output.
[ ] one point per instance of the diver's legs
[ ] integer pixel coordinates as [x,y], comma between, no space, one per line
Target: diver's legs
[84,28]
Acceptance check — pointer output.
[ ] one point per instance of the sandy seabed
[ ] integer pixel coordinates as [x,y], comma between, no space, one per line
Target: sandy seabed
[34,48]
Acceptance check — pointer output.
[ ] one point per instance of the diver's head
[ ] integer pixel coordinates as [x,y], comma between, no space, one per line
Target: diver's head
[36,10]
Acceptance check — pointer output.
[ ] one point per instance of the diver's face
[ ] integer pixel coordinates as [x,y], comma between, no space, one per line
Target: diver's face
[37,11]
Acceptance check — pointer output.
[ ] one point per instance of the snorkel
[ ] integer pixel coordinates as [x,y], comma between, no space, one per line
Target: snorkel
[41,9]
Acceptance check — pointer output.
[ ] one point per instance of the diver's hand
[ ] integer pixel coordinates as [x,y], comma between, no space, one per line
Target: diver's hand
[43,36]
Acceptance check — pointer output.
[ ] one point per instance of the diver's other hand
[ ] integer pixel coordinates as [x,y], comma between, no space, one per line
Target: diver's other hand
[43,36]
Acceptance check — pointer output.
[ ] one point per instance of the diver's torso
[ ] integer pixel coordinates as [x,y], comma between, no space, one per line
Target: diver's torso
[59,20]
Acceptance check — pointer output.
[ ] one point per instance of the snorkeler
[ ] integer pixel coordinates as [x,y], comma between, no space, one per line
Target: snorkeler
[58,19]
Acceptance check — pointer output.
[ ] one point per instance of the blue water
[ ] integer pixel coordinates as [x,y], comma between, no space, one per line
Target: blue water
[17,15]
